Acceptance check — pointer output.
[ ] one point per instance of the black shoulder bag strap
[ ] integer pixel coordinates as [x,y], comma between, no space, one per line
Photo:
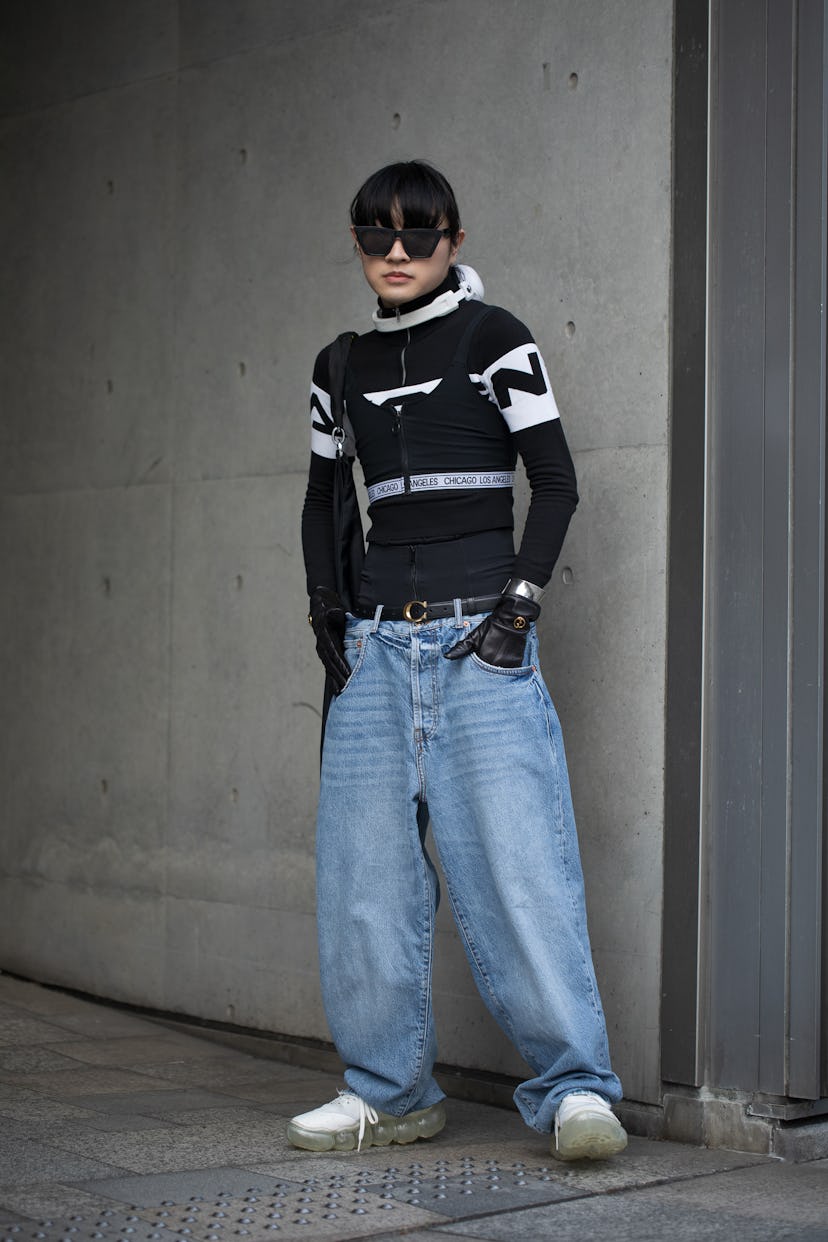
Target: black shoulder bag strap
[349,542]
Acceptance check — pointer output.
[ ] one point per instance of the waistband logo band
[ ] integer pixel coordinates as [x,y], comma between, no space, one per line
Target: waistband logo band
[442,481]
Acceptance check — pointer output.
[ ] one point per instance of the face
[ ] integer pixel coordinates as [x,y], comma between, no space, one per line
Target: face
[397,279]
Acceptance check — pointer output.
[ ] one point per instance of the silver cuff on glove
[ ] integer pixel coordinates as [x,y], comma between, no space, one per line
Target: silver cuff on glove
[524,589]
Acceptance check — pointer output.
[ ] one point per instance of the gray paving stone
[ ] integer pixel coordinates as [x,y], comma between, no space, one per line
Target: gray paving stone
[44,1200]
[97,1022]
[224,1071]
[170,1150]
[66,1084]
[7,1011]
[153,1189]
[155,1103]
[67,1013]
[25,1160]
[137,1051]
[788,1192]
[417,1236]
[301,1165]
[20,1130]
[24,1031]
[772,1203]
[11,1095]
[39,1111]
[258,1130]
[8,1218]
[38,1060]
[106,1124]
[313,1090]
[62,1135]
[611,1220]
[282,1072]
[215,1118]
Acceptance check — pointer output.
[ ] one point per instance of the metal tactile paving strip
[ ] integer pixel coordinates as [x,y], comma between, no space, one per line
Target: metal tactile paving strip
[355,1202]
[467,1186]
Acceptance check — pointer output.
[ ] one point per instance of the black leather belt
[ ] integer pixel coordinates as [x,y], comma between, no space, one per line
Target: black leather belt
[419,610]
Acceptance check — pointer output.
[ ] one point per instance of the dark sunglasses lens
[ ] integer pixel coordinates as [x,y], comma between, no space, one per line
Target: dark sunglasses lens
[420,243]
[376,241]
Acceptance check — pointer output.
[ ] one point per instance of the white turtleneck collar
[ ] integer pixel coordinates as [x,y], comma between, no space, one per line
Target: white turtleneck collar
[470,286]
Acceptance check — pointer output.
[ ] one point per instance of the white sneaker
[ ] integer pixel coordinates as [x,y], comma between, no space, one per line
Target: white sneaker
[586,1128]
[348,1122]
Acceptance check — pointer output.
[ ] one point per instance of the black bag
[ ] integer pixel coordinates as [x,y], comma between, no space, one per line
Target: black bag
[349,541]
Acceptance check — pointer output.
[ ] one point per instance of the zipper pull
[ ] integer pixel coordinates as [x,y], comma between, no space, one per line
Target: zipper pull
[396,429]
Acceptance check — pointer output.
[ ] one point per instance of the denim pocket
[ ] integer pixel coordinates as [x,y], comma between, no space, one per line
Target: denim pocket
[355,648]
[530,656]
[523,670]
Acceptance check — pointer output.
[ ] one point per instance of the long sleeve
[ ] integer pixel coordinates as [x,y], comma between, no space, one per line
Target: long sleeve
[508,366]
[317,524]
[552,481]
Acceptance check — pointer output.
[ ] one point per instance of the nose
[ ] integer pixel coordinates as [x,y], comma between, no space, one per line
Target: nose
[397,253]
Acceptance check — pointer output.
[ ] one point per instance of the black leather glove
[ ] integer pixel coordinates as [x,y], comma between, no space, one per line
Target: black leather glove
[500,639]
[327,616]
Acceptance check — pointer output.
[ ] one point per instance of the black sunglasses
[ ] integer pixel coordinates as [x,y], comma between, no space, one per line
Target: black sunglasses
[376,241]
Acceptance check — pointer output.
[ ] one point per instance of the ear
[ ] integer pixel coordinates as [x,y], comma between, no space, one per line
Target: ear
[461,237]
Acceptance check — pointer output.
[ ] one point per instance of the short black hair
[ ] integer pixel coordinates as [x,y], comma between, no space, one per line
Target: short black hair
[420,192]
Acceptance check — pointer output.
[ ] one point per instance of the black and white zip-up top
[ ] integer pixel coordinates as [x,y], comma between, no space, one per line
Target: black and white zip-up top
[440,399]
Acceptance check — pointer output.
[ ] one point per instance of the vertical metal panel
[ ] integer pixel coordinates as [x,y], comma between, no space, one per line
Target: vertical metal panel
[808,556]
[776,431]
[765,747]
[679,1012]
[735,547]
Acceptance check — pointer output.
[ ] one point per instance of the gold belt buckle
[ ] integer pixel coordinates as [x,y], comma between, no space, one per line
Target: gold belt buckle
[416,603]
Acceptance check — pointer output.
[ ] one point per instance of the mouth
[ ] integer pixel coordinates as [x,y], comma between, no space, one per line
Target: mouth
[397,277]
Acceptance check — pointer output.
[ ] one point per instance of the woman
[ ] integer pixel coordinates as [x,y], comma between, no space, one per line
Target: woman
[441,709]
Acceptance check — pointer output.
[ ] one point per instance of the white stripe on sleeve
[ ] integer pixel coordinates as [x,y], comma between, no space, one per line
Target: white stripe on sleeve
[518,384]
[322,425]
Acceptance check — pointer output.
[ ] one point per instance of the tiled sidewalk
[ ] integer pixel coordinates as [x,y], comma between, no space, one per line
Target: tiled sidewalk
[113,1126]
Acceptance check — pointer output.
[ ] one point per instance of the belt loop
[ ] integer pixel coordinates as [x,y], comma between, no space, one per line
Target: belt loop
[458,614]
[377,616]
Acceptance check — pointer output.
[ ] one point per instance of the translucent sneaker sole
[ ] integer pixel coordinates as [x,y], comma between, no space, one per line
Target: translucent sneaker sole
[591,1136]
[423,1124]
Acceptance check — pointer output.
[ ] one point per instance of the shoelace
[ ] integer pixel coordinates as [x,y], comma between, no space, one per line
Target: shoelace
[366,1114]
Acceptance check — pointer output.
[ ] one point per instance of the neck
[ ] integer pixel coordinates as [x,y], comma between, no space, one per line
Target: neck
[446,285]
[440,301]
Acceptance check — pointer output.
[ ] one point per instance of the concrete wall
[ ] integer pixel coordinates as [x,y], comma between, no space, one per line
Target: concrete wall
[177,180]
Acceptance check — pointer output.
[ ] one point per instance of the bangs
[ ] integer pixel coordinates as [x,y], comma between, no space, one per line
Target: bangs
[420,193]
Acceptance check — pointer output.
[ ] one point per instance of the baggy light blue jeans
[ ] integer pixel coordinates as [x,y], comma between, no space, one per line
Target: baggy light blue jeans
[482,747]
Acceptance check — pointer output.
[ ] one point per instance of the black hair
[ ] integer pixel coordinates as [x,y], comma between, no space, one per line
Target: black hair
[420,192]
